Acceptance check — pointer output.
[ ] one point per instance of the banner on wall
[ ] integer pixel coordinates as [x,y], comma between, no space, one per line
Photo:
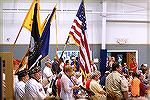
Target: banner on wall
[70,54]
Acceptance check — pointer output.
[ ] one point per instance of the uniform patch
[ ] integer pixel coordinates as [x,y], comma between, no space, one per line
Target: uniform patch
[40,89]
[122,77]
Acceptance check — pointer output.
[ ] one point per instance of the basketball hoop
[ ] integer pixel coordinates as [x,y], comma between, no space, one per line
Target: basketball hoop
[121,41]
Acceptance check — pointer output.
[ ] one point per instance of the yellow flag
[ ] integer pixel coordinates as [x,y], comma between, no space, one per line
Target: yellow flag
[44,23]
[29,17]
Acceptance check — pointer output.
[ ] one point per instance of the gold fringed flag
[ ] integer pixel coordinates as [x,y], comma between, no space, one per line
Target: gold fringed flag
[78,34]
[45,38]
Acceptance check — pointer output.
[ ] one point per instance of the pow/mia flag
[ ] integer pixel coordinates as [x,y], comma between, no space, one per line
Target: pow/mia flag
[35,42]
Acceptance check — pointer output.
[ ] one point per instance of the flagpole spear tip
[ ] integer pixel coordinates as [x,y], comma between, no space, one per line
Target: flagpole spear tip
[37,1]
[55,5]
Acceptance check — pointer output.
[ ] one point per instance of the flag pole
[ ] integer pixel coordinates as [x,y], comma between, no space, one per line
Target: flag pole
[56,33]
[65,46]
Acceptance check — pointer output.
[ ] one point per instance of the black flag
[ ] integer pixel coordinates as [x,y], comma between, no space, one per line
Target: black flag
[35,42]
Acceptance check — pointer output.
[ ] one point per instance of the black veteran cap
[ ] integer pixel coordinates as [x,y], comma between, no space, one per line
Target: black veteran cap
[22,73]
[35,69]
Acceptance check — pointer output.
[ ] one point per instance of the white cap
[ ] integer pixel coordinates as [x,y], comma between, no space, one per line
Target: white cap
[107,72]
[48,61]
[73,58]
[145,65]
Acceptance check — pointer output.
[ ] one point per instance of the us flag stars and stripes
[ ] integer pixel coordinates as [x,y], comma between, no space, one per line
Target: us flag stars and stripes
[78,33]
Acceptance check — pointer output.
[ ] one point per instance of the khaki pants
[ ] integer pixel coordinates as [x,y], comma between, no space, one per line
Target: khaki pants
[98,97]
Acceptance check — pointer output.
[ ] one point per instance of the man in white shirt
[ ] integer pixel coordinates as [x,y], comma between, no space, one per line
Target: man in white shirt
[47,72]
[20,86]
[48,75]
[33,88]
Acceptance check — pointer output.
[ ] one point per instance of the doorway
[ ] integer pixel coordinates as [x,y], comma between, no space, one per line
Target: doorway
[123,56]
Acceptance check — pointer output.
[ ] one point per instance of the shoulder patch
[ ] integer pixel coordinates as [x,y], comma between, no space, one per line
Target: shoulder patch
[122,77]
[40,89]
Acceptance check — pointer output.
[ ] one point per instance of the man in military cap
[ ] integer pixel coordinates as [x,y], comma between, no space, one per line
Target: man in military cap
[34,88]
[20,86]
[116,84]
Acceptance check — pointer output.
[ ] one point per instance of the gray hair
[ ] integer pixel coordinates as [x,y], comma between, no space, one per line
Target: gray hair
[96,73]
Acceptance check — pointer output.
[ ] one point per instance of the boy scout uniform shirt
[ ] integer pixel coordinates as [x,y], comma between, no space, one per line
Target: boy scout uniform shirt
[116,83]
[96,88]
[34,90]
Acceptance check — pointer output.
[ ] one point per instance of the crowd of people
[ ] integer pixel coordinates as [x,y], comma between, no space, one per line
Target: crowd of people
[134,80]
[64,80]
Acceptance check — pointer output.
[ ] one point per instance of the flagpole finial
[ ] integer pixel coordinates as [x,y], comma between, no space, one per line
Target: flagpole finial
[55,5]
[37,1]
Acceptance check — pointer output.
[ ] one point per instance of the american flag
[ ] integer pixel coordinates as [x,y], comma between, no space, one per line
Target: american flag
[78,33]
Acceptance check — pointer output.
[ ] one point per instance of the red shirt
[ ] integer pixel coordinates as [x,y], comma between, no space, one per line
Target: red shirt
[88,83]
[133,66]
[58,85]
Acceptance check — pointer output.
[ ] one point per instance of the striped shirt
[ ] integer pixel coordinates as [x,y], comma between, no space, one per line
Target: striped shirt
[34,90]
[20,90]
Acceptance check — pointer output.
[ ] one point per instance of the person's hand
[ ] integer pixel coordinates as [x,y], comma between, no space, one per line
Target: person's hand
[44,83]
[75,87]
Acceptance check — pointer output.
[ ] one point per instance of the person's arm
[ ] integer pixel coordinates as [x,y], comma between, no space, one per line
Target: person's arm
[45,82]
[75,87]
[20,91]
[124,87]
[97,88]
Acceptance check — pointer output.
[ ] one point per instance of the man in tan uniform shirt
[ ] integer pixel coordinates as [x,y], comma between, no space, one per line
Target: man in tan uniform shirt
[96,87]
[117,84]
